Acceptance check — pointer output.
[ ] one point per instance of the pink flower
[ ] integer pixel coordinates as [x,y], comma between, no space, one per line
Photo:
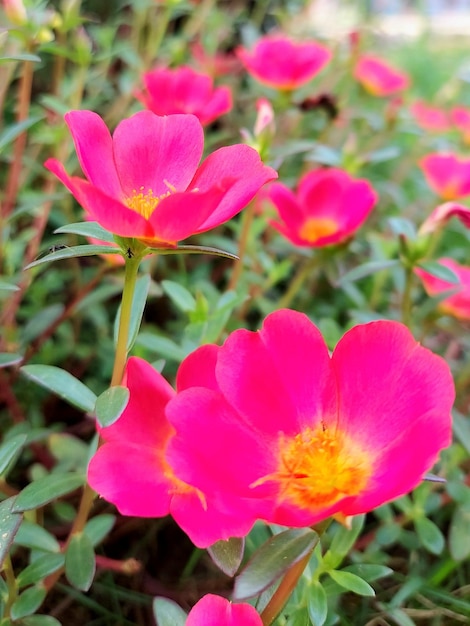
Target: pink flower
[218,64]
[378,77]
[430,117]
[144,181]
[328,207]
[460,117]
[273,417]
[182,90]
[214,610]
[447,174]
[457,304]
[282,63]
[131,471]
[442,214]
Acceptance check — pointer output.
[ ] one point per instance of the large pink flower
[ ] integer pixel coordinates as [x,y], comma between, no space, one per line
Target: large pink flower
[378,77]
[457,304]
[145,182]
[130,469]
[273,417]
[182,90]
[214,610]
[327,208]
[447,174]
[282,63]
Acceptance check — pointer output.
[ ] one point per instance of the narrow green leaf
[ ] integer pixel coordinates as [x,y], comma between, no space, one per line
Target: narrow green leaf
[351,582]
[181,297]
[110,405]
[162,346]
[272,560]
[439,271]
[10,450]
[317,604]
[138,305]
[369,571]
[10,358]
[403,226]
[342,542]
[87,229]
[40,620]
[195,250]
[80,563]
[73,251]
[98,527]
[366,269]
[39,569]
[9,523]
[430,535]
[8,286]
[24,56]
[228,555]
[45,490]
[459,537]
[461,428]
[168,613]
[13,130]
[63,384]
[28,602]
[33,536]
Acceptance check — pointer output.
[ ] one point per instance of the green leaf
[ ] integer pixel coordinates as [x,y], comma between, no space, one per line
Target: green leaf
[87,229]
[461,428]
[404,227]
[98,527]
[14,130]
[351,582]
[110,405]
[33,536]
[47,489]
[366,269]
[195,250]
[73,251]
[37,324]
[439,271]
[10,451]
[10,358]
[383,154]
[63,384]
[28,602]
[272,560]
[181,297]
[317,604]
[168,613]
[80,562]
[459,537]
[26,56]
[164,347]
[9,523]
[8,286]
[138,305]
[40,568]
[369,571]
[342,542]
[40,620]
[430,535]
[228,555]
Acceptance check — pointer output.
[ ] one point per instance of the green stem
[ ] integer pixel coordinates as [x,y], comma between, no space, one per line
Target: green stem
[406,303]
[297,282]
[11,584]
[247,220]
[130,278]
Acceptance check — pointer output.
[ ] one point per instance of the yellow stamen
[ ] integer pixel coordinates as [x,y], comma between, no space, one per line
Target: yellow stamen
[316,228]
[145,202]
[317,468]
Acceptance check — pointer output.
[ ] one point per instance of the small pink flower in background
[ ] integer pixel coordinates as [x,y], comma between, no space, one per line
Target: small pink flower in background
[457,304]
[327,208]
[273,417]
[214,610]
[218,64]
[378,77]
[460,117]
[265,117]
[145,181]
[183,90]
[15,11]
[430,117]
[447,174]
[282,63]
[131,471]
[442,214]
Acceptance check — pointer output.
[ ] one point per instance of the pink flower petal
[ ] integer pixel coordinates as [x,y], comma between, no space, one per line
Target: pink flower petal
[157,153]
[94,147]
[214,610]
[442,214]
[198,369]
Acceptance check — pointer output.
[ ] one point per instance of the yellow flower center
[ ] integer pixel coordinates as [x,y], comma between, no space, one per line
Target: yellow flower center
[317,468]
[316,228]
[145,202]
